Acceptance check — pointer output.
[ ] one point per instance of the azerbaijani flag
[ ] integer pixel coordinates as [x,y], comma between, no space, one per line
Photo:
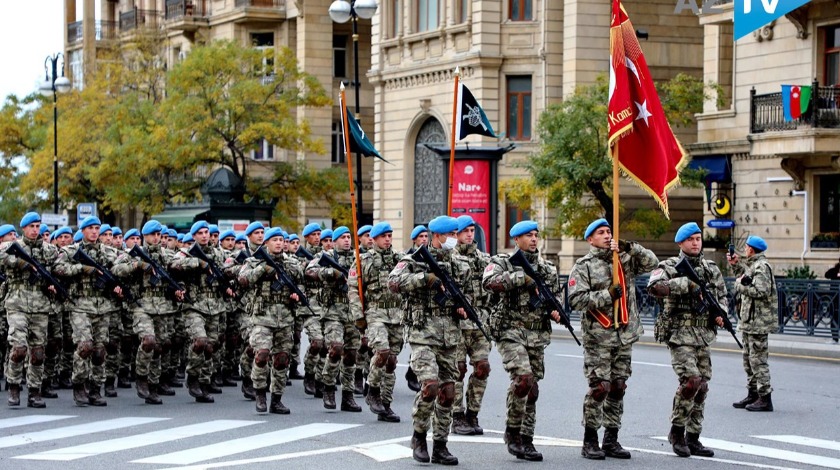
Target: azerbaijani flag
[795,100]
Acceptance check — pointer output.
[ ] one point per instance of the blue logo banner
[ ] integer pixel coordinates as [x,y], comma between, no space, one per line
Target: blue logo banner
[751,15]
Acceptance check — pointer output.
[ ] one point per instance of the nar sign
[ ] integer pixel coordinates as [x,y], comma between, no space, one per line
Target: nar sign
[749,15]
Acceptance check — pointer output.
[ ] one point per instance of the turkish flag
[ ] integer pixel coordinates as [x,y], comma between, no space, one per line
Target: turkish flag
[650,153]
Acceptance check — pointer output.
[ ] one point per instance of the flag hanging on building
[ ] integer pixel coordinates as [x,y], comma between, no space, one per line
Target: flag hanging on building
[649,152]
[795,101]
[471,118]
[359,142]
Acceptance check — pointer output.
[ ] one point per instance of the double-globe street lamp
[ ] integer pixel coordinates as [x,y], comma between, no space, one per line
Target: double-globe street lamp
[342,11]
[53,84]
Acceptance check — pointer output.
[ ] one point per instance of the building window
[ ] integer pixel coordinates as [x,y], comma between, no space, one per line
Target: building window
[395,18]
[519,107]
[463,10]
[337,143]
[264,151]
[265,43]
[829,203]
[77,69]
[339,56]
[832,55]
[514,216]
[520,10]
[428,15]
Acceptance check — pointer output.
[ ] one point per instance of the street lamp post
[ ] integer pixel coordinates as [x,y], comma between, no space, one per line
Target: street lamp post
[53,84]
[341,11]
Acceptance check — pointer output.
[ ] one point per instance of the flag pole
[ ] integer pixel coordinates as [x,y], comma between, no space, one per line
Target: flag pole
[452,141]
[615,231]
[346,129]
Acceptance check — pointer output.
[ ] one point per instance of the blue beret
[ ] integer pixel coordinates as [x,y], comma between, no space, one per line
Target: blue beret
[6,229]
[523,227]
[595,226]
[465,221]
[226,234]
[103,227]
[164,228]
[151,227]
[44,228]
[180,237]
[52,237]
[188,238]
[339,232]
[92,220]
[443,224]
[364,229]
[198,226]
[241,238]
[57,233]
[418,230]
[686,231]
[310,229]
[172,232]
[77,237]
[380,228]
[326,234]
[116,231]
[757,243]
[253,226]
[273,232]
[294,236]
[131,233]
[29,218]
[213,228]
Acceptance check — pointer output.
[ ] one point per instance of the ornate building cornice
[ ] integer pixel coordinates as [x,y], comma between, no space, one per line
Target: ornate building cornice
[426,78]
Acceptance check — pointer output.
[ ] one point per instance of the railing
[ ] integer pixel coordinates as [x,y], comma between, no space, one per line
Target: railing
[74,32]
[135,18]
[767,112]
[178,9]
[258,3]
[806,307]
[105,31]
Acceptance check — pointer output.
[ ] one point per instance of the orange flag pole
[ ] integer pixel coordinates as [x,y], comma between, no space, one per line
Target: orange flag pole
[452,141]
[617,279]
[349,156]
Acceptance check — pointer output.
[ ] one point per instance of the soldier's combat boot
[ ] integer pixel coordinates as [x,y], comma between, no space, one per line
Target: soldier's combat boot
[64,381]
[319,389]
[47,390]
[460,426]
[752,396]
[260,397]
[142,385]
[513,440]
[411,378]
[214,386]
[173,381]
[590,449]
[110,391]
[677,439]
[153,398]
[95,396]
[348,403]
[472,420]
[441,455]
[122,379]
[247,388]
[611,447]
[374,401]
[80,395]
[227,380]
[294,374]
[309,383]
[329,397]
[764,403]
[529,452]
[420,449]
[14,394]
[196,391]
[277,407]
[34,400]
[388,416]
[696,447]
[164,390]
[359,382]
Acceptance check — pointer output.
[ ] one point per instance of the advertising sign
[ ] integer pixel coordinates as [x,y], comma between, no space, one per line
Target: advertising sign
[471,191]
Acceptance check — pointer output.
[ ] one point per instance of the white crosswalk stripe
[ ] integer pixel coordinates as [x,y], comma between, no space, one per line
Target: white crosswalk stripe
[804,441]
[73,431]
[27,420]
[769,452]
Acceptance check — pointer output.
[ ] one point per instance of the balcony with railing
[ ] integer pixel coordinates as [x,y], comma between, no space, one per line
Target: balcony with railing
[187,15]
[104,31]
[136,18]
[74,32]
[258,10]
[767,111]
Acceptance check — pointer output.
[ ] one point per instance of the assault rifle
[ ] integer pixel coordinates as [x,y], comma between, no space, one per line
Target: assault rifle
[543,297]
[216,274]
[328,261]
[707,299]
[241,257]
[304,253]
[2,278]
[282,278]
[160,274]
[106,280]
[450,289]
[40,273]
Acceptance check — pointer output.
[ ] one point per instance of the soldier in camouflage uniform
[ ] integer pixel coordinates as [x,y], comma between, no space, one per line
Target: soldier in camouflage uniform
[340,332]
[311,323]
[7,234]
[419,237]
[28,308]
[255,234]
[55,339]
[608,338]
[434,333]
[379,315]
[64,237]
[759,316]
[475,345]
[272,318]
[684,326]
[233,341]
[365,352]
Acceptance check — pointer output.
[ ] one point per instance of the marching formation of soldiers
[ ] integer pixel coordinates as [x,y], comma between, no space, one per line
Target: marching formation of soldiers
[96,310]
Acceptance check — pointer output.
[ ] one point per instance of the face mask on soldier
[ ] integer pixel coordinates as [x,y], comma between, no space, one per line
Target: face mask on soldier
[450,243]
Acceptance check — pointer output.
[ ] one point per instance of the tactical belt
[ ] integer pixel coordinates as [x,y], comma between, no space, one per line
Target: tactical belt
[334,300]
[694,322]
[534,325]
[388,304]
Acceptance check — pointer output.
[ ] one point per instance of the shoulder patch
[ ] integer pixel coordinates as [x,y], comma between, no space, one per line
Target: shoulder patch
[656,272]
[572,282]
[352,272]
[400,265]
[489,268]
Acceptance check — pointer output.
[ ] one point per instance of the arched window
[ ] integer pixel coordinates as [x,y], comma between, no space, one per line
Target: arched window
[429,186]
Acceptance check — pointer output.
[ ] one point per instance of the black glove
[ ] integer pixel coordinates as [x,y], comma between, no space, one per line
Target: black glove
[530,283]
[615,291]
[746,280]
[624,246]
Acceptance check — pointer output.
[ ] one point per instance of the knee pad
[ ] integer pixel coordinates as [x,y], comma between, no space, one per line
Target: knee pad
[446,395]
[18,354]
[261,358]
[522,385]
[534,394]
[381,357]
[281,360]
[98,356]
[85,349]
[690,387]
[429,390]
[391,366]
[599,390]
[617,389]
[315,347]
[462,370]
[336,351]
[199,345]
[350,357]
[37,355]
[700,397]
[148,343]
[481,370]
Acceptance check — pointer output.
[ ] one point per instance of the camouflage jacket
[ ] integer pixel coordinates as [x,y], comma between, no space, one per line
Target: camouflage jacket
[152,290]
[274,309]
[684,322]
[206,296]
[429,323]
[512,318]
[589,281]
[478,261]
[380,304]
[91,299]
[758,311]
[332,292]
[22,295]
[311,286]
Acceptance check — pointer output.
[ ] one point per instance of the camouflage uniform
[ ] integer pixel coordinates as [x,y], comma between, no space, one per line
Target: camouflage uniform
[4,324]
[232,339]
[313,361]
[246,357]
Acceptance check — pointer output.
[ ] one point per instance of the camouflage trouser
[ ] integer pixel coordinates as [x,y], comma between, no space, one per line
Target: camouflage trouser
[313,359]
[115,339]
[26,333]
[341,334]
[385,341]
[198,325]
[433,363]
[755,363]
[299,321]
[688,362]
[4,340]
[177,355]
[605,364]
[65,362]
[148,363]
[521,360]
[54,344]
[127,343]
[477,348]
[219,346]
[278,342]
[246,358]
[233,342]
[90,329]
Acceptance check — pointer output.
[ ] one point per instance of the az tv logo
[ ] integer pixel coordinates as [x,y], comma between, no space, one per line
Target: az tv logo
[753,14]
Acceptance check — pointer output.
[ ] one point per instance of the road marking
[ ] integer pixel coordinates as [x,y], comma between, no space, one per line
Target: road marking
[804,441]
[386,452]
[769,452]
[137,440]
[246,444]
[34,419]
[577,356]
[73,431]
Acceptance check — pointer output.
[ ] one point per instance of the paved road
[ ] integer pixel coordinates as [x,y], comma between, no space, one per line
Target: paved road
[802,433]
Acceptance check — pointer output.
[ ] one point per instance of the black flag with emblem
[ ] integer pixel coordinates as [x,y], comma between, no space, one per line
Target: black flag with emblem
[471,118]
